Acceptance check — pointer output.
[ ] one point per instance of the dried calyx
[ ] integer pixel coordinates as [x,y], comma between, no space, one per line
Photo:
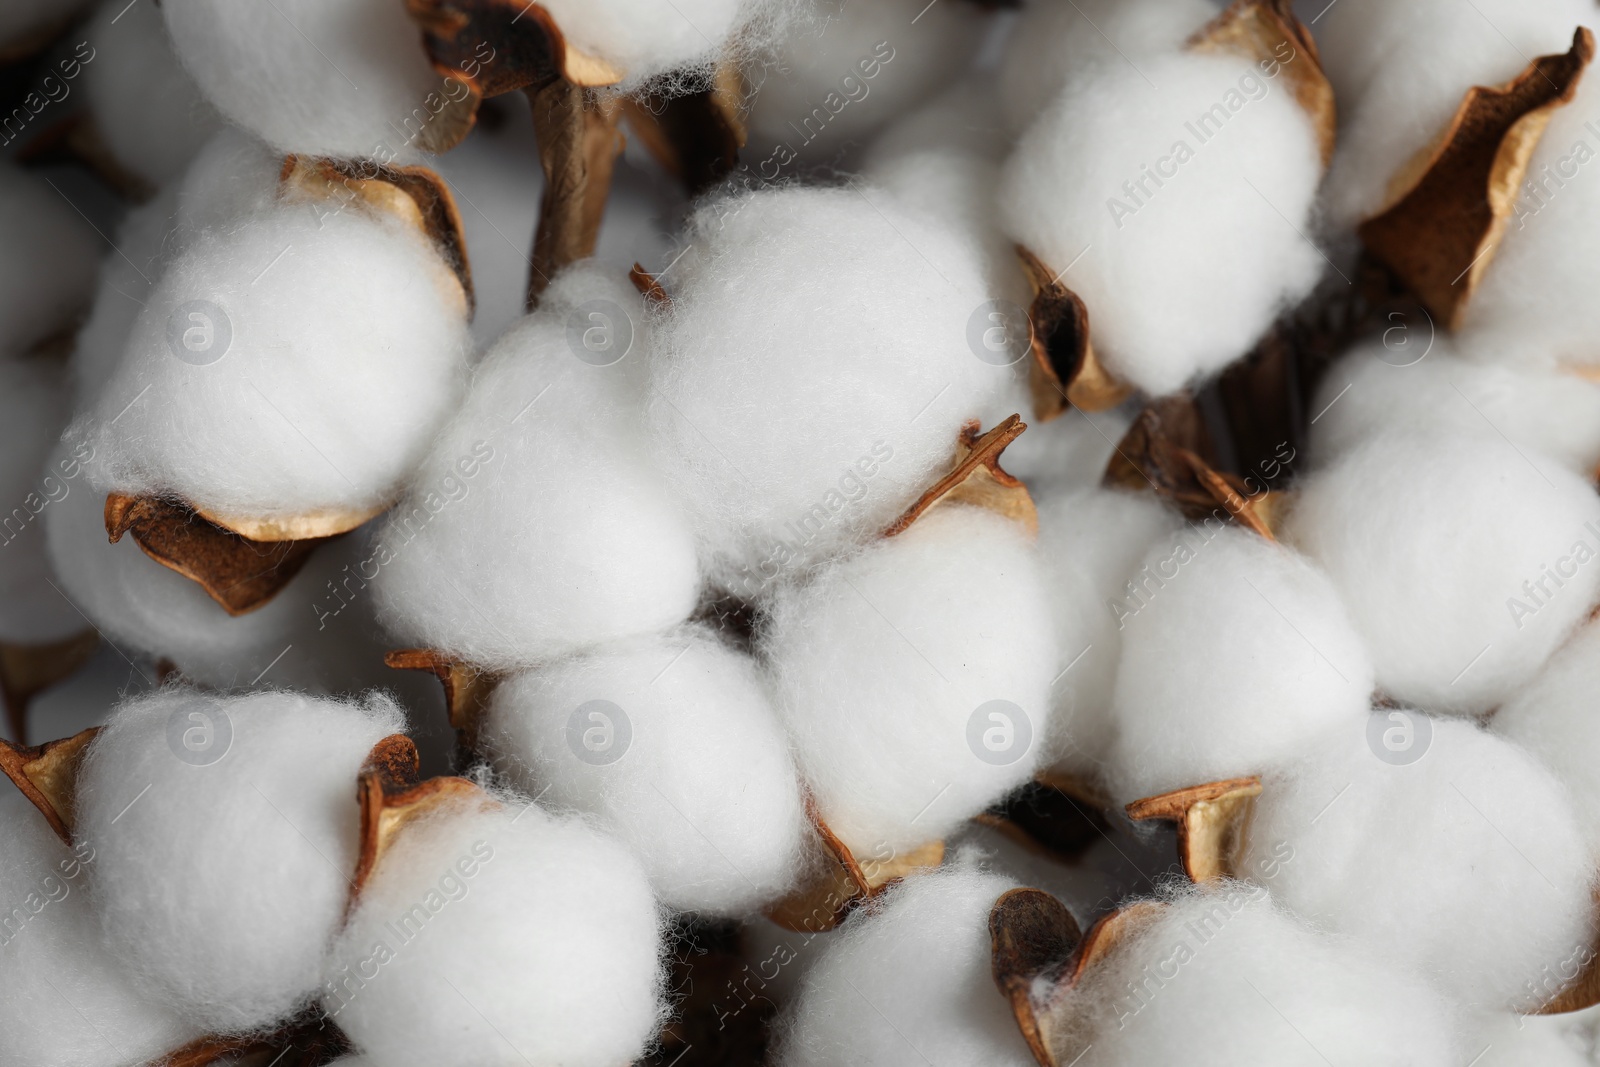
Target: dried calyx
[1052,815]
[1212,820]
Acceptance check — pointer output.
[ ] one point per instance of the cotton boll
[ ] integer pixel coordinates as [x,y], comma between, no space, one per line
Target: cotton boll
[1091,541]
[814,374]
[1222,976]
[964,118]
[1235,651]
[1400,70]
[63,1002]
[645,39]
[914,677]
[205,860]
[347,80]
[1506,1040]
[33,408]
[1375,387]
[537,525]
[1053,38]
[145,107]
[907,979]
[679,756]
[1442,547]
[346,342]
[840,82]
[501,937]
[47,261]
[1406,831]
[1190,235]
[233,175]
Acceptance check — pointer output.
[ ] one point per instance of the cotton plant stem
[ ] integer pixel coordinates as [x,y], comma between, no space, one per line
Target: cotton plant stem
[578,147]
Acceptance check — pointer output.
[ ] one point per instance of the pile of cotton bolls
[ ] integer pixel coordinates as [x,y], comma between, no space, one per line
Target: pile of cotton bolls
[799,532]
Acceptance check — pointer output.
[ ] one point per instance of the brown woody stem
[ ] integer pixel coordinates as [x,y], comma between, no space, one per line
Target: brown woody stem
[578,146]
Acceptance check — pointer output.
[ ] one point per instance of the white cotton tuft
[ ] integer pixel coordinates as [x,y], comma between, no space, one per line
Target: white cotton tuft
[33,409]
[839,79]
[146,109]
[1377,386]
[1091,541]
[964,119]
[226,830]
[537,524]
[671,744]
[233,175]
[346,79]
[1068,452]
[1406,830]
[1235,652]
[1400,71]
[908,979]
[1176,208]
[48,256]
[295,362]
[1505,1039]
[646,39]
[1463,560]
[1222,976]
[501,937]
[1553,716]
[815,372]
[914,677]
[1053,38]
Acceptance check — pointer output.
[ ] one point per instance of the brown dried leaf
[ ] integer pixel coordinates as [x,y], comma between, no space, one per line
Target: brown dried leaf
[978,479]
[48,776]
[1212,820]
[578,146]
[696,136]
[1449,206]
[1064,372]
[1033,936]
[648,287]
[205,1051]
[28,670]
[238,572]
[466,688]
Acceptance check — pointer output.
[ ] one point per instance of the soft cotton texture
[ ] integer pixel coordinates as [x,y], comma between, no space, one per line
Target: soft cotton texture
[1235,651]
[1440,545]
[645,39]
[908,979]
[63,1002]
[815,372]
[914,677]
[500,936]
[204,861]
[537,524]
[1175,199]
[48,255]
[1508,1040]
[33,409]
[1223,977]
[346,342]
[1472,835]
[671,744]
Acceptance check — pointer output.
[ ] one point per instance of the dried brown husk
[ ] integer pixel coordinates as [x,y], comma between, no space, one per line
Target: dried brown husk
[1213,820]
[579,143]
[976,478]
[47,775]
[28,670]
[467,688]
[696,137]
[1449,206]
[1053,815]
[720,1015]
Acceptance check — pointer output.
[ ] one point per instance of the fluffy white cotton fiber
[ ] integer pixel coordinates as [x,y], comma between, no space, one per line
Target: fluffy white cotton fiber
[1053,38]
[1186,187]
[1406,831]
[226,830]
[914,677]
[1464,561]
[1400,70]
[1503,1039]
[815,372]
[1223,976]
[48,254]
[294,362]
[33,409]
[909,981]
[63,1002]
[1069,452]
[964,118]
[644,39]
[671,744]
[500,936]
[1091,541]
[145,107]
[347,79]
[538,525]
[1235,651]
[839,79]
[1376,387]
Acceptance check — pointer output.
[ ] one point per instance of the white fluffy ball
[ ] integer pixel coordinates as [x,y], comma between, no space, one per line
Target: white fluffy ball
[33,409]
[48,255]
[671,744]
[646,39]
[1406,831]
[914,677]
[500,937]
[206,860]
[1464,561]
